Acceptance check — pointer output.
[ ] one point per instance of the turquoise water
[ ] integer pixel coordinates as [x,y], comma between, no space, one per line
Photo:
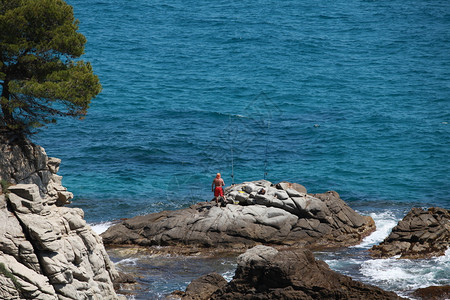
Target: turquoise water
[351,96]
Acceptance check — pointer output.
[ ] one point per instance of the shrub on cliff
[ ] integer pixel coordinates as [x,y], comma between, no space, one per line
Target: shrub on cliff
[41,76]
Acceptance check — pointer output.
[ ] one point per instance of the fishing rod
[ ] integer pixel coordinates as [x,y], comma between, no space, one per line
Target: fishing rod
[231,149]
[267,144]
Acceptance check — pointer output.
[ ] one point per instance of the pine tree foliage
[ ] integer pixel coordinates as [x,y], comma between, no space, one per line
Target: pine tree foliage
[41,75]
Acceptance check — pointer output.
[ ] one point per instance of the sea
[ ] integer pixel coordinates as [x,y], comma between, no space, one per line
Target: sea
[351,96]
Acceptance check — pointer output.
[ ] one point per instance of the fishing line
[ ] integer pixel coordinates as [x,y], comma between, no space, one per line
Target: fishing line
[267,145]
[231,149]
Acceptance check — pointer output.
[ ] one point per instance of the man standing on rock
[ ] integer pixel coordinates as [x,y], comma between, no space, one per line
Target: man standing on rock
[216,187]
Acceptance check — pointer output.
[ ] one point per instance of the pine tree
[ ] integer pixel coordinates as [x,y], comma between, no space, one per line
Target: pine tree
[41,75]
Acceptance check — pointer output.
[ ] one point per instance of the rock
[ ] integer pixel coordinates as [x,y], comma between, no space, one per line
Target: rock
[433,293]
[270,217]
[7,288]
[265,273]
[24,162]
[47,251]
[32,284]
[284,185]
[203,287]
[51,250]
[124,281]
[257,256]
[421,234]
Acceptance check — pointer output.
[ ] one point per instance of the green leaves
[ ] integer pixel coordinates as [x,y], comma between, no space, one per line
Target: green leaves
[40,26]
[39,75]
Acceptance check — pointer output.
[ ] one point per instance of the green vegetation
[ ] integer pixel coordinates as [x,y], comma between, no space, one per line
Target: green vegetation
[11,276]
[41,76]
[4,185]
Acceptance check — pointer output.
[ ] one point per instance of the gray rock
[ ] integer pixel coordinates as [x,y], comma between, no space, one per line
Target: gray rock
[284,185]
[53,164]
[22,162]
[257,256]
[48,249]
[8,289]
[263,218]
[421,234]
[60,256]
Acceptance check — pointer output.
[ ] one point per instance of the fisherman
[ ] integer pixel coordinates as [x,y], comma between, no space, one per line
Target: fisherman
[216,187]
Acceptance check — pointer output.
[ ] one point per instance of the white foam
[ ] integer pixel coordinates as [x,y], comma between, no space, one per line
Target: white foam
[128,261]
[407,274]
[101,227]
[444,259]
[398,275]
[388,270]
[228,275]
[384,223]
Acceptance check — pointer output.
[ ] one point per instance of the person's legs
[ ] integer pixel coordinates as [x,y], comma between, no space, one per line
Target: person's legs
[217,194]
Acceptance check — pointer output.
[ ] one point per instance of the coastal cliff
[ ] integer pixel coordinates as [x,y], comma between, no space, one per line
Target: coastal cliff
[47,251]
[22,161]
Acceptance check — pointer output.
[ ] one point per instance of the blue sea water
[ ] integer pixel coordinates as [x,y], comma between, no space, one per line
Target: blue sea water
[351,96]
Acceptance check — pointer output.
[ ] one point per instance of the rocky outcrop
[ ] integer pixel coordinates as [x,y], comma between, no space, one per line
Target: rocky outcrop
[265,273]
[203,287]
[266,214]
[47,251]
[433,293]
[24,162]
[50,251]
[421,234]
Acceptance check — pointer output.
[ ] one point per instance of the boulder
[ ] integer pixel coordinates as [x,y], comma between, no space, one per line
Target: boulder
[265,273]
[284,185]
[22,161]
[267,215]
[433,293]
[421,234]
[203,287]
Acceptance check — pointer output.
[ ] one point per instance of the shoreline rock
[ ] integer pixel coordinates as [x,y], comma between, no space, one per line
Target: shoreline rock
[282,216]
[22,161]
[420,234]
[47,251]
[265,273]
[433,293]
[50,250]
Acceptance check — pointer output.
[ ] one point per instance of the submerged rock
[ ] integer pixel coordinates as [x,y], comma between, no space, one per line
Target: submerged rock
[421,234]
[276,216]
[265,273]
